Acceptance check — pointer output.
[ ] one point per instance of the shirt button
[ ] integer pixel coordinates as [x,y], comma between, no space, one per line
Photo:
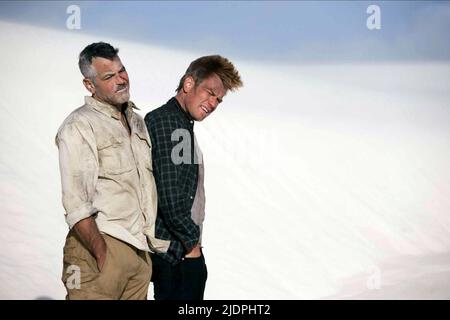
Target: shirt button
[192,197]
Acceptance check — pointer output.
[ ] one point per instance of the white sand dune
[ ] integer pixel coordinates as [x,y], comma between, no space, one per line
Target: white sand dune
[316,175]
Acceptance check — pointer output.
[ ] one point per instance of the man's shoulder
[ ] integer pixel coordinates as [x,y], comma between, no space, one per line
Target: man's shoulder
[77,120]
[167,111]
[79,117]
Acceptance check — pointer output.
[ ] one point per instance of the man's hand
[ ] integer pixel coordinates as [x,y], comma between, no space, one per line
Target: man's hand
[91,237]
[194,253]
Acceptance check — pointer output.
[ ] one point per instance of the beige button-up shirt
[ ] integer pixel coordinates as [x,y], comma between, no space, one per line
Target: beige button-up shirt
[107,173]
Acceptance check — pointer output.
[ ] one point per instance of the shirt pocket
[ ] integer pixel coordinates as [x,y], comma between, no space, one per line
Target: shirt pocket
[114,156]
[145,150]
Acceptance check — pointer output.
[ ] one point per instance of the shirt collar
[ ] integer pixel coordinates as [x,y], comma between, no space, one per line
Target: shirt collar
[185,114]
[108,109]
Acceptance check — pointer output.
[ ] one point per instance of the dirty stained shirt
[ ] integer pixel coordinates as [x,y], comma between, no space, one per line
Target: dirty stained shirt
[106,172]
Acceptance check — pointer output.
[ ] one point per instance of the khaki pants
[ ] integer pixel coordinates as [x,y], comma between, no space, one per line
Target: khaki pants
[125,274]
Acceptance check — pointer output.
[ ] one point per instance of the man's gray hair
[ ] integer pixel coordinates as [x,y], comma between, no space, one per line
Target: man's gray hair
[94,50]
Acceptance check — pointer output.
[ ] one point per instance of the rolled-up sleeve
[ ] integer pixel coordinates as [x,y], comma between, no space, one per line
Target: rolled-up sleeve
[78,164]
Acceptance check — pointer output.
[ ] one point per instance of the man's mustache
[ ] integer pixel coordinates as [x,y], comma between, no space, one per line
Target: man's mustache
[121,86]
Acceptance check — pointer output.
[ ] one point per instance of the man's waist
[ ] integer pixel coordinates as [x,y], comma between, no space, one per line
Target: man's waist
[137,239]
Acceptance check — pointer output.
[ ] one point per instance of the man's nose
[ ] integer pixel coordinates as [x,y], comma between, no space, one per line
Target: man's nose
[213,102]
[121,79]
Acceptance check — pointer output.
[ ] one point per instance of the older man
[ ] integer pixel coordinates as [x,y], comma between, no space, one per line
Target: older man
[108,189]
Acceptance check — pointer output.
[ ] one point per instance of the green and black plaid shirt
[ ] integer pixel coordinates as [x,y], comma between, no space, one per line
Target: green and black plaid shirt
[176,183]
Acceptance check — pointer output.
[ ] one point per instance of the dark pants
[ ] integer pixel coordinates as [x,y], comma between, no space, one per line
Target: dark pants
[183,281]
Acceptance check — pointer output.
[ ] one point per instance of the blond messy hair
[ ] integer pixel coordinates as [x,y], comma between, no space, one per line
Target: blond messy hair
[203,67]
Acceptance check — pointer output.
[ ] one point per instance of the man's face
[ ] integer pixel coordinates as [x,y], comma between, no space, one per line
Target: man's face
[203,99]
[111,84]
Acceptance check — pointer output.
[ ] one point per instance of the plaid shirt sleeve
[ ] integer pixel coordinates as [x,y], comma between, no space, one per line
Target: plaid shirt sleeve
[171,197]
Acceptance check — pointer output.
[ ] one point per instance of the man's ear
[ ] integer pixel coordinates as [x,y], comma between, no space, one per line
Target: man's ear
[89,85]
[188,84]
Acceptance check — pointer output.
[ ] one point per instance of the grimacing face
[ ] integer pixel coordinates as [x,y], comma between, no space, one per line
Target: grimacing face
[111,84]
[202,99]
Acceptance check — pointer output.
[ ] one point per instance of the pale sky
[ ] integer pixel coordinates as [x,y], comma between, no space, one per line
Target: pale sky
[281,31]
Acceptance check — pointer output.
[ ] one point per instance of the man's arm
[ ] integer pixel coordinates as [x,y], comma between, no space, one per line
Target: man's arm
[90,236]
[78,163]
[171,197]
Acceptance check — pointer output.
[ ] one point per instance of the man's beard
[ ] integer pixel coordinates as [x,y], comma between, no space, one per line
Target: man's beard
[119,99]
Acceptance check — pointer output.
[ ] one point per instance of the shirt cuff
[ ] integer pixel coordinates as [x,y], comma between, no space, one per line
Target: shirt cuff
[85,211]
